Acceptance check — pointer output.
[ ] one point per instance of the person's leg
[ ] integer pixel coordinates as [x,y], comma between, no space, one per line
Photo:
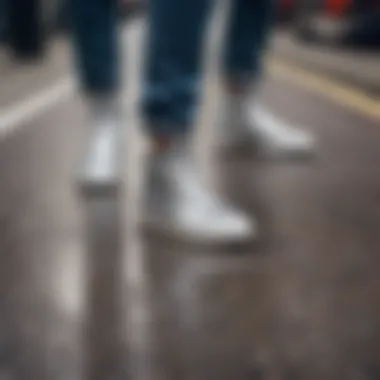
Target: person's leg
[177,198]
[25,31]
[4,20]
[172,83]
[248,32]
[247,37]
[94,30]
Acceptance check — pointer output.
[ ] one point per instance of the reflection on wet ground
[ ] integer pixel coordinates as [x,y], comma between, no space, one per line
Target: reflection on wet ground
[301,303]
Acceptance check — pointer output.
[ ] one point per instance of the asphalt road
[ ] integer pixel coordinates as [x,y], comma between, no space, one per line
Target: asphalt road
[302,303]
[355,65]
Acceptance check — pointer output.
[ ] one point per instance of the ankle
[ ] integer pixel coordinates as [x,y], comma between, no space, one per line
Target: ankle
[163,143]
[108,102]
[235,86]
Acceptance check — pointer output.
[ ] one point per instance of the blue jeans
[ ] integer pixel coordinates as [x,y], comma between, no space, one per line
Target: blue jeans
[176,32]
[3,19]
[94,27]
[25,34]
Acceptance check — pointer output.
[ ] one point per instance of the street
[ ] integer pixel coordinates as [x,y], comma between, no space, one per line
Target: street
[301,303]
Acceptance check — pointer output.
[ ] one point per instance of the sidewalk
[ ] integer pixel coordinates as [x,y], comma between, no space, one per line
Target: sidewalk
[354,67]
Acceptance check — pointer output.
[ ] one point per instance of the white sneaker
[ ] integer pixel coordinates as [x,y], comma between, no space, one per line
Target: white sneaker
[179,204]
[244,125]
[104,112]
[99,171]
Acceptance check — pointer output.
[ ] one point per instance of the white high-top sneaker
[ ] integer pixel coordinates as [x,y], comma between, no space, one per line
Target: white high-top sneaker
[104,111]
[245,125]
[179,204]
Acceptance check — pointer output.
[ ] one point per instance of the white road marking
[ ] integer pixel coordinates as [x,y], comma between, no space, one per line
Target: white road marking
[349,97]
[15,116]
[36,104]
[138,306]
[139,309]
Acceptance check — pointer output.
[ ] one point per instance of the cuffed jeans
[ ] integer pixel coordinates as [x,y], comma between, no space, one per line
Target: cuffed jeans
[176,31]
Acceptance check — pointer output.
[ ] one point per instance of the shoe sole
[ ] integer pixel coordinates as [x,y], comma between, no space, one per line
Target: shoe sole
[170,232]
[245,150]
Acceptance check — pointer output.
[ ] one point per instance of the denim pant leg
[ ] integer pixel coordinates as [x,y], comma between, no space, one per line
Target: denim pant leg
[247,35]
[94,28]
[176,31]
[25,29]
[4,19]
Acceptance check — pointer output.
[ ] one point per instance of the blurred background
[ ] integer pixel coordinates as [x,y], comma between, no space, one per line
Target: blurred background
[83,294]
[329,22]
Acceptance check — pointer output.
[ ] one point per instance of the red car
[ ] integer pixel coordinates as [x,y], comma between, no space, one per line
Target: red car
[288,9]
[332,20]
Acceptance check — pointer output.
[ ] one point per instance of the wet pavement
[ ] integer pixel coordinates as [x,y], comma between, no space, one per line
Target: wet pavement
[357,66]
[85,294]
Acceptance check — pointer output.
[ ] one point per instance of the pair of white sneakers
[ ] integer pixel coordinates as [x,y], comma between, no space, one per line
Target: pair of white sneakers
[178,201]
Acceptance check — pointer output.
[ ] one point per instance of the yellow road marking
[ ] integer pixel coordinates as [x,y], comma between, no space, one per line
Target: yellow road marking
[344,95]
